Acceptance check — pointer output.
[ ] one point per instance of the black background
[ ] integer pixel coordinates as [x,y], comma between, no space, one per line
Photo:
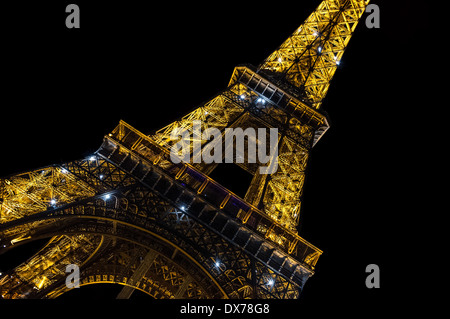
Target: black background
[63,89]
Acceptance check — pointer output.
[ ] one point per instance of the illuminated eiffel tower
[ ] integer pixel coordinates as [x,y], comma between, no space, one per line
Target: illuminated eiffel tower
[129,215]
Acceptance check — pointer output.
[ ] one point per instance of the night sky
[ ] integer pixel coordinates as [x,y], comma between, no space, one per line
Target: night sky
[63,90]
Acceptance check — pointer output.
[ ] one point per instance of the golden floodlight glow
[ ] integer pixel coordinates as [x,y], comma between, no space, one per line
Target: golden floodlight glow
[129,215]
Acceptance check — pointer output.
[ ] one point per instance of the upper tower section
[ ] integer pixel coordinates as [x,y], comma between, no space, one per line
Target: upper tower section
[305,63]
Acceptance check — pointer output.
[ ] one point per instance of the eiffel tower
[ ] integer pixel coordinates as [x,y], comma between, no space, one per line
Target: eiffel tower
[129,215]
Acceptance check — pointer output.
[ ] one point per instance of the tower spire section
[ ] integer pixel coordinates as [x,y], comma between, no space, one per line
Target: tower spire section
[308,59]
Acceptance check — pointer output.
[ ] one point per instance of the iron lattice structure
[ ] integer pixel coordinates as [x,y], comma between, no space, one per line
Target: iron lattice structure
[129,215]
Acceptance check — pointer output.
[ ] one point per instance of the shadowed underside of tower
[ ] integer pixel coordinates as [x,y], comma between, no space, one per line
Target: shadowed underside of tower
[130,215]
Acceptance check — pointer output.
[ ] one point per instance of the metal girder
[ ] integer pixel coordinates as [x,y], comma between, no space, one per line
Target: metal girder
[148,260]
